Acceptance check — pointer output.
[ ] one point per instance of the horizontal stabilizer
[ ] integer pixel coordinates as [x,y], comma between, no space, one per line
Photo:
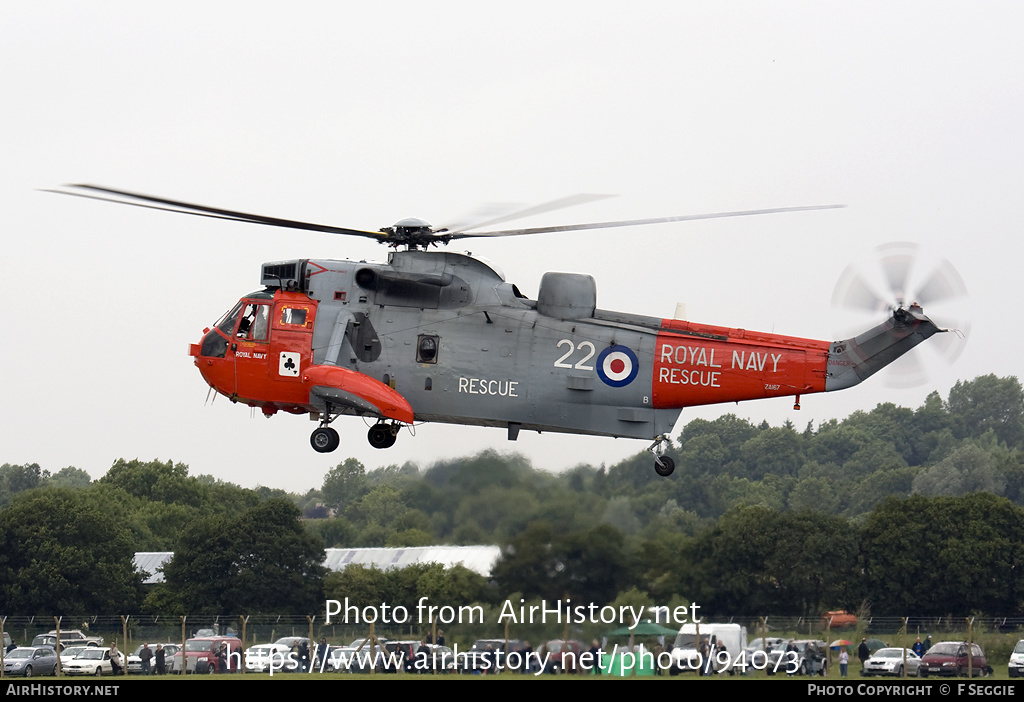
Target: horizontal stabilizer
[355,391]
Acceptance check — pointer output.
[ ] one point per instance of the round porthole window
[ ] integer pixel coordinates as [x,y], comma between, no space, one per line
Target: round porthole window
[426,349]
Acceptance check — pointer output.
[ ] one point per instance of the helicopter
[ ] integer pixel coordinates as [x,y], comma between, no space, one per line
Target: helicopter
[436,336]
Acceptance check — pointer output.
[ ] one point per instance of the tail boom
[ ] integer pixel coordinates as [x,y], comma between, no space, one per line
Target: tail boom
[857,359]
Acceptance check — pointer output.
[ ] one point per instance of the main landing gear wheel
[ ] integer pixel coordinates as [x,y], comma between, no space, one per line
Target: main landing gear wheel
[664,466]
[382,436]
[324,440]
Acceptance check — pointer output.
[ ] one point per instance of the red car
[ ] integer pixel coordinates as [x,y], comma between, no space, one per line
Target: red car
[950,658]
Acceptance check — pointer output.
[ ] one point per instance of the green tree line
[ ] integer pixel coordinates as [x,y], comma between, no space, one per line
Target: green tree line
[890,509]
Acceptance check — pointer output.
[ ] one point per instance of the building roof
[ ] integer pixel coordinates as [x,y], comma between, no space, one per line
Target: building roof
[149,564]
[480,559]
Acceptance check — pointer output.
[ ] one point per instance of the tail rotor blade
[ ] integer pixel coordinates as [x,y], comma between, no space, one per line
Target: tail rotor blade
[897,275]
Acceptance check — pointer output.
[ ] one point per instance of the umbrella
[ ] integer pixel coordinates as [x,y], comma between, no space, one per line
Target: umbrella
[875,644]
[839,642]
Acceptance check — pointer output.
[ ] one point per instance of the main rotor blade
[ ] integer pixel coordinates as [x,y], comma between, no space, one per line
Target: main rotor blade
[561,203]
[159,203]
[636,222]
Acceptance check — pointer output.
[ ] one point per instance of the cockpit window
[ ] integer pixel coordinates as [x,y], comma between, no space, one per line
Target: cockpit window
[227,323]
[255,323]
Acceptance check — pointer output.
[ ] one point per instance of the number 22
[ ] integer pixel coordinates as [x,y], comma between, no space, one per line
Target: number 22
[581,364]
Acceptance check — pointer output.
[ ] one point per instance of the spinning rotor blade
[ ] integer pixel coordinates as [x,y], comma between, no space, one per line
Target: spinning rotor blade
[898,275]
[636,222]
[412,233]
[944,284]
[95,192]
[507,216]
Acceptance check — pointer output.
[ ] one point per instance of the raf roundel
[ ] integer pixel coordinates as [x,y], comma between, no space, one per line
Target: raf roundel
[617,366]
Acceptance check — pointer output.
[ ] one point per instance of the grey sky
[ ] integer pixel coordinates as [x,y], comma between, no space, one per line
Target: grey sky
[359,115]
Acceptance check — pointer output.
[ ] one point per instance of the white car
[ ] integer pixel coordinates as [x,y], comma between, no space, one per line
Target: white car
[890,661]
[1016,667]
[358,657]
[68,653]
[135,660]
[92,661]
[261,658]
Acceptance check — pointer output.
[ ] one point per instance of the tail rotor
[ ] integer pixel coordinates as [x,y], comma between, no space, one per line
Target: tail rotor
[896,276]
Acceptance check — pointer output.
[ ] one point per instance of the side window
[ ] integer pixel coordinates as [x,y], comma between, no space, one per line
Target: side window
[295,316]
[426,348]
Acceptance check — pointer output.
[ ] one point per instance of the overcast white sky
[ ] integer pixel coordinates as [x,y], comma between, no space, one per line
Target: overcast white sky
[360,114]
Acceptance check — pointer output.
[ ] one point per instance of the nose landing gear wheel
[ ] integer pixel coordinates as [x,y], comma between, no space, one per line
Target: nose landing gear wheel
[324,440]
[382,436]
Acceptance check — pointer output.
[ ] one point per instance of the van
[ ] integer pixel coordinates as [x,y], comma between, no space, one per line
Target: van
[686,648]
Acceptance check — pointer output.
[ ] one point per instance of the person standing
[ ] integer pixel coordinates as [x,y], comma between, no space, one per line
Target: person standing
[863,653]
[161,659]
[146,657]
[595,652]
[844,662]
[115,659]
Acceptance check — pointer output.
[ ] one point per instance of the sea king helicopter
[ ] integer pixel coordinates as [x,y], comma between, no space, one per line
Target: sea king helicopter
[437,336]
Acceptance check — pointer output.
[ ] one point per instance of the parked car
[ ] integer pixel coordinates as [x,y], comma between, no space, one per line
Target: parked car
[270,658]
[892,661]
[304,652]
[27,661]
[950,658]
[779,661]
[482,655]
[755,654]
[70,652]
[71,637]
[434,657]
[358,657]
[91,661]
[557,662]
[135,662]
[400,656]
[201,655]
[1016,666]
[214,631]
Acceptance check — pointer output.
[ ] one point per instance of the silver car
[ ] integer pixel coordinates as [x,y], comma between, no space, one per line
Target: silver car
[28,661]
[135,660]
[890,661]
